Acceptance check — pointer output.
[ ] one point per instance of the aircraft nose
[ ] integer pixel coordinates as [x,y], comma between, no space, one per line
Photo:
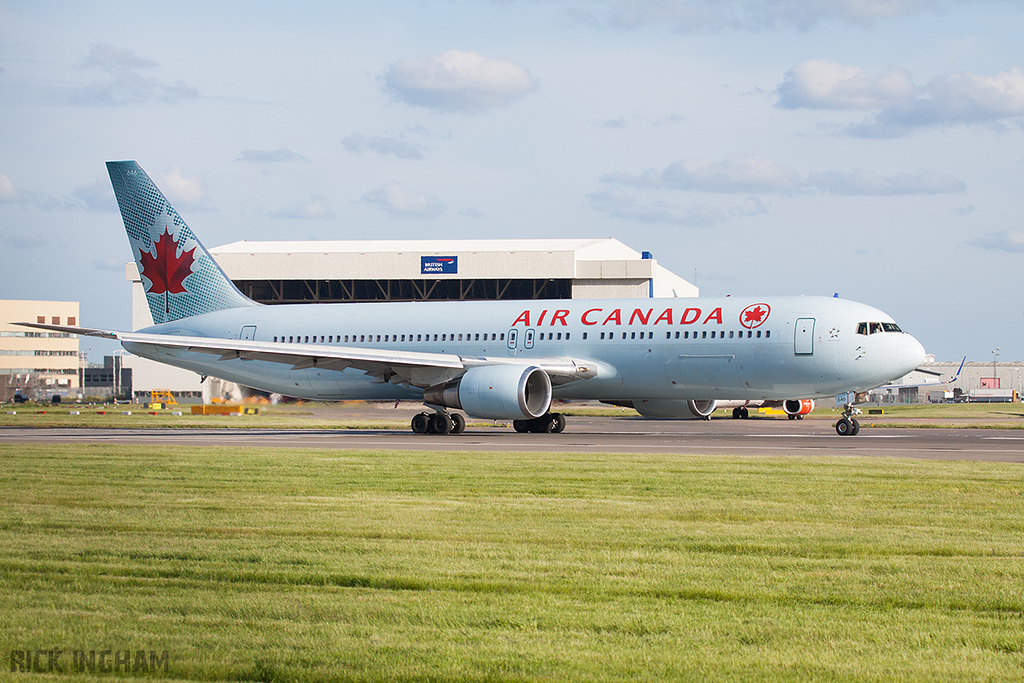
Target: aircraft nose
[909,354]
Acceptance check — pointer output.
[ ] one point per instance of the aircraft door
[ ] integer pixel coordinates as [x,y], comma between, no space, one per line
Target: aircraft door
[248,333]
[803,343]
[513,340]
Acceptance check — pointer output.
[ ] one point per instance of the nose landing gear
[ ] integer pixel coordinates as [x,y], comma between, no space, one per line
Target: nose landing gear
[847,426]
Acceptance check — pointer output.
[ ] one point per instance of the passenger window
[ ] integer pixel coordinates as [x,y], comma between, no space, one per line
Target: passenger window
[730,334]
[584,336]
[560,336]
[759,334]
[632,335]
[704,334]
[602,335]
[767,333]
[501,337]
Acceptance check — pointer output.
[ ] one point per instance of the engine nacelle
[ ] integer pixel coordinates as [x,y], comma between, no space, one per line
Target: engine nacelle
[496,392]
[798,407]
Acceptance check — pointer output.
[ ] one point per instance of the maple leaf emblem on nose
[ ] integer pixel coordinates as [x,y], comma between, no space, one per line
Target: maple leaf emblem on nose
[754,315]
[166,270]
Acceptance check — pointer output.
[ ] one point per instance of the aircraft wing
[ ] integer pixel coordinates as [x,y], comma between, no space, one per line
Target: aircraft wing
[415,368]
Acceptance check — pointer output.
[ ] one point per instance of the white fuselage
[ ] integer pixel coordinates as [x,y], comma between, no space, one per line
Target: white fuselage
[722,348]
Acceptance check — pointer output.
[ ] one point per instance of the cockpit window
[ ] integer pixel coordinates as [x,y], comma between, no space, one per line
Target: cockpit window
[874,328]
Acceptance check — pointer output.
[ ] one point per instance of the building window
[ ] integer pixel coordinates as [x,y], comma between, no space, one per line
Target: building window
[72,320]
[41,319]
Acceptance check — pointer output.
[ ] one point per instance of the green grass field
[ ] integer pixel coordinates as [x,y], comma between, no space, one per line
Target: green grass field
[312,565]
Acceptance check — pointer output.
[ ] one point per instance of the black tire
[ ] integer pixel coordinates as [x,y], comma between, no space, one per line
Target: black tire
[458,423]
[856,428]
[557,423]
[744,413]
[736,413]
[420,423]
[521,426]
[844,427]
[443,424]
[792,417]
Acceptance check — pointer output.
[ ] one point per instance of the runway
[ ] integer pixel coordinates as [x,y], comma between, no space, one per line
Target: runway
[814,438]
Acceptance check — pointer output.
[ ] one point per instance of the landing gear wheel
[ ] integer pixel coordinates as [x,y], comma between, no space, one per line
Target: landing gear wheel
[845,427]
[557,423]
[521,426]
[441,423]
[792,417]
[856,428]
[744,413]
[458,423]
[736,414]
[420,423]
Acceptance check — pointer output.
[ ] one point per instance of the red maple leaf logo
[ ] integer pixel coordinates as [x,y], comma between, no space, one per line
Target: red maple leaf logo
[165,270]
[754,315]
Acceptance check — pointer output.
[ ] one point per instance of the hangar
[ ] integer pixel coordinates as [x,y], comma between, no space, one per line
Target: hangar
[284,272]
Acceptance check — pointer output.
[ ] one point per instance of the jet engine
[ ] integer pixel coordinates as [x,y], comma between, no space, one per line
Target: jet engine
[796,409]
[496,392]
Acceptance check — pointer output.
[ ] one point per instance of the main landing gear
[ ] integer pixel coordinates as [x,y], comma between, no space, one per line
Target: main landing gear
[740,413]
[438,423]
[550,423]
[443,422]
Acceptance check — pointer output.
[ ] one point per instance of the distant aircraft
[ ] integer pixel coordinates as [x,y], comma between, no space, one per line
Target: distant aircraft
[502,360]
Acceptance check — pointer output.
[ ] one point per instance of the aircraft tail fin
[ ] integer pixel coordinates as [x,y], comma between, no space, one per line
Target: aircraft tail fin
[179,276]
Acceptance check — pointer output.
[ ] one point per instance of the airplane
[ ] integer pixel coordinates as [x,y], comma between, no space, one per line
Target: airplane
[501,360]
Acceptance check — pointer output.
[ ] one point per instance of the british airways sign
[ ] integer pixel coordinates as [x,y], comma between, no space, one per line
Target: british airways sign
[435,265]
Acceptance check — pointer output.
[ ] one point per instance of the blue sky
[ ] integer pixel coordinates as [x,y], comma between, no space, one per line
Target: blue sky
[867,147]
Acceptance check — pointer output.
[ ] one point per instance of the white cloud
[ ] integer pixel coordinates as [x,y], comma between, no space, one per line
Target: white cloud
[358,143]
[96,197]
[316,207]
[1007,240]
[820,84]
[961,98]
[859,182]
[267,156]
[8,192]
[744,173]
[11,194]
[123,84]
[619,204]
[397,202]
[709,16]
[455,80]
[900,106]
[182,190]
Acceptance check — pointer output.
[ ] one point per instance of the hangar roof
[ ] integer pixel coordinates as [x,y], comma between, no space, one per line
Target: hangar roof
[369,259]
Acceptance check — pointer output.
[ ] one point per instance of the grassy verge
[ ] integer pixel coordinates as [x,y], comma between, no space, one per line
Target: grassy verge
[310,565]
